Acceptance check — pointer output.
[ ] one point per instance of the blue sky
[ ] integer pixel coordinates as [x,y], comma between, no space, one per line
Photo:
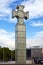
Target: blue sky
[34,25]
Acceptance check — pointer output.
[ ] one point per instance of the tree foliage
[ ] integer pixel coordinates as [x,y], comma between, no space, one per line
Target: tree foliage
[5,54]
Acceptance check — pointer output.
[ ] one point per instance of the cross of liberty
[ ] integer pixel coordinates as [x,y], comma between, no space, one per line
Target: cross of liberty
[20,14]
[20,35]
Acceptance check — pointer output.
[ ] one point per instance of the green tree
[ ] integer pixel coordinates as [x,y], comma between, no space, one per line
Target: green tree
[13,55]
[6,53]
[1,53]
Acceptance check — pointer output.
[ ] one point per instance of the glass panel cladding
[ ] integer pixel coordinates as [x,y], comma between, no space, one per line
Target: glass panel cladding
[20,44]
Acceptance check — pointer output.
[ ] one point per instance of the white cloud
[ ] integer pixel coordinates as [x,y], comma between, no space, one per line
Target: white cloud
[5,10]
[7,39]
[37,24]
[35,8]
[36,40]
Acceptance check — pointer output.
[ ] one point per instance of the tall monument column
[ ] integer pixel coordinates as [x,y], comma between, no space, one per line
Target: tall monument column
[20,35]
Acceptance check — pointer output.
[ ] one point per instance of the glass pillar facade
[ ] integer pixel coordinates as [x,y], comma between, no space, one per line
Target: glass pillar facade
[20,43]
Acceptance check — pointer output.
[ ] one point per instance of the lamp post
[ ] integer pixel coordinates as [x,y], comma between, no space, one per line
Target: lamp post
[11,54]
[3,53]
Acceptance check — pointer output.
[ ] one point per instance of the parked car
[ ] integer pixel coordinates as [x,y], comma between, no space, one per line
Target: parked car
[41,61]
[38,60]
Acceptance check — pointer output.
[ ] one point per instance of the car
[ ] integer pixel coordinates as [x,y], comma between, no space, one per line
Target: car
[38,61]
[41,61]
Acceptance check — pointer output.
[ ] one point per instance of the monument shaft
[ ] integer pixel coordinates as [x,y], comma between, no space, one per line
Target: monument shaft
[20,35]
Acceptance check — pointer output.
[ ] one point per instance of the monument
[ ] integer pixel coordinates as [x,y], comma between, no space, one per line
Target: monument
[20,35]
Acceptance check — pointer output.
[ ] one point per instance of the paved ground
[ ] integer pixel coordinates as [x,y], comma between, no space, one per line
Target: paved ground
[13,63]
[8,62]
[21,64]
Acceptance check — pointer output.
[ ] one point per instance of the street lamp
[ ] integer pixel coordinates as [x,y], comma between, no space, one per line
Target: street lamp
[3,53]
[11,54]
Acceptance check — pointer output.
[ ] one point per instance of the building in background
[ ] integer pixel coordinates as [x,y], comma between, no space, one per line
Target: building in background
[28,53]
[42,52]
[36,51]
